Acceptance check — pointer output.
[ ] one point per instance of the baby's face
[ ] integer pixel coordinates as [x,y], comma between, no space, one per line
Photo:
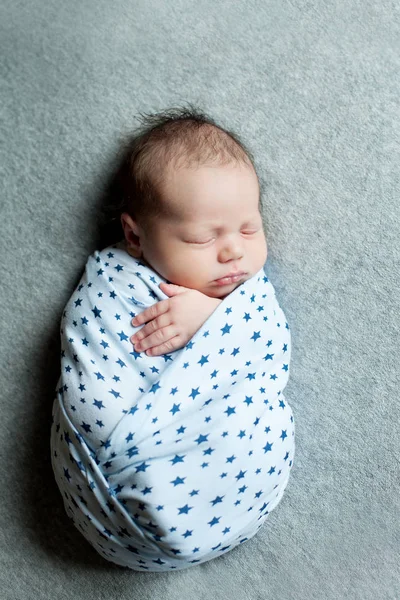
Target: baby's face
[217,229]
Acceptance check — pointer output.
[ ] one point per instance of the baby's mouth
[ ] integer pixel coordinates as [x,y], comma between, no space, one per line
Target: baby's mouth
[229,279]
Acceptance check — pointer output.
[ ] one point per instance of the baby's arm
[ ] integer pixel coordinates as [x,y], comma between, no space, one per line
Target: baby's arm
[172,323]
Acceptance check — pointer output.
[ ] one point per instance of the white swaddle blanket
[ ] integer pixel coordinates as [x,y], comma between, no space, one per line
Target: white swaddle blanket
[168,461]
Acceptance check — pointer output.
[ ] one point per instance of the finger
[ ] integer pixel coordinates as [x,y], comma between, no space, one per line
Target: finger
[163,321]
[171,289]
[160,336]
[166,348]
[150,313]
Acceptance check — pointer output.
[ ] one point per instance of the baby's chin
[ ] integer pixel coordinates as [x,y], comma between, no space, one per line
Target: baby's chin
[222,291]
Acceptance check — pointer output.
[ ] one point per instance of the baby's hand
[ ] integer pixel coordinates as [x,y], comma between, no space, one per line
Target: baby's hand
[173,322]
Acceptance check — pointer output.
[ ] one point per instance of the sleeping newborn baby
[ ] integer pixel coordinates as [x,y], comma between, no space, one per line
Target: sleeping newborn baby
[171,439]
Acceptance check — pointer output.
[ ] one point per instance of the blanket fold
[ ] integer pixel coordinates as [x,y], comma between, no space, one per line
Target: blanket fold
[169,461]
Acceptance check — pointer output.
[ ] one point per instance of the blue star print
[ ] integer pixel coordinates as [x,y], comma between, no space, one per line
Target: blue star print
[166,462]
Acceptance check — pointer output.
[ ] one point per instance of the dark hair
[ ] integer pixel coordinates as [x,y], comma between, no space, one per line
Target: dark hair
[177,137]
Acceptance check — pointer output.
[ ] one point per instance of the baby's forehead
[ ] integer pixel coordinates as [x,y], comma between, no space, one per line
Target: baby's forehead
[197,195]
[178,182]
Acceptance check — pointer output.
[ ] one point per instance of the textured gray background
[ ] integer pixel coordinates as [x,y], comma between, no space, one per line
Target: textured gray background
[312,88]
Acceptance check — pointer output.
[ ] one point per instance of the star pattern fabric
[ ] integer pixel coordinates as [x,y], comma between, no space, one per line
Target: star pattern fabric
[166,462]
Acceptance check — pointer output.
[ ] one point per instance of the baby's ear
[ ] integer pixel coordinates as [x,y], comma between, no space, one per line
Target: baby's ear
[130,232]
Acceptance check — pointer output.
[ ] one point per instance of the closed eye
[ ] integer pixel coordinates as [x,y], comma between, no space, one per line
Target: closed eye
[207,241]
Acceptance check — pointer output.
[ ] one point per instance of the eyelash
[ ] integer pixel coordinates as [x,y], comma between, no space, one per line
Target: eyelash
[246,233]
